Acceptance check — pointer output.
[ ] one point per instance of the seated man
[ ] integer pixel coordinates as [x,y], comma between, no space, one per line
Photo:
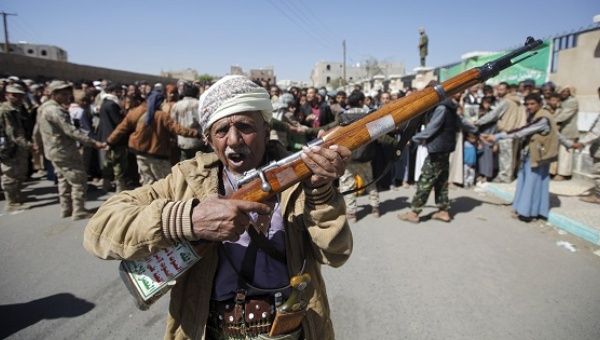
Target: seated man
[306,223]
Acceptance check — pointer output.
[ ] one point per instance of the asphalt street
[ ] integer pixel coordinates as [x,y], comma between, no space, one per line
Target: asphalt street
[483,276]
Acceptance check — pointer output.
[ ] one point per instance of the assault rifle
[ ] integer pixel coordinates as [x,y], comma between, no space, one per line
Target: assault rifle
[149,279]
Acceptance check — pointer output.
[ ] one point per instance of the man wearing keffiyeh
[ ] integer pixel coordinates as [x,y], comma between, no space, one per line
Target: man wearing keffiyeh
[305,225]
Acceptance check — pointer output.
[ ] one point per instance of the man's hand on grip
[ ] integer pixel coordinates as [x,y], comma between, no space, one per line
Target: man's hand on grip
[216,219]
[326,164]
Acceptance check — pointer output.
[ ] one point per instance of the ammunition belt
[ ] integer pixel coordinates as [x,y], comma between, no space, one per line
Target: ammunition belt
[241,319]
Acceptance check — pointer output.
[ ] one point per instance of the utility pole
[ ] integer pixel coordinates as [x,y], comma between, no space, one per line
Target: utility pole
[6,43]
[344,68]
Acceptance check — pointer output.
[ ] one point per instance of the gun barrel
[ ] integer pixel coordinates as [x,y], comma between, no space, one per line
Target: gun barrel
[492,68]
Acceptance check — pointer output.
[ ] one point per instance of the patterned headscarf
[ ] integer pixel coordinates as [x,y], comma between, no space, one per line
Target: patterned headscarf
[231,95]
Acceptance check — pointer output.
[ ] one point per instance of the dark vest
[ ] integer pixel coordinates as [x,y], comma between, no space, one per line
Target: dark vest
[444,140]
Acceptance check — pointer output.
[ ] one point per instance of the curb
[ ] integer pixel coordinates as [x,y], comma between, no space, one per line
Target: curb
[560,221]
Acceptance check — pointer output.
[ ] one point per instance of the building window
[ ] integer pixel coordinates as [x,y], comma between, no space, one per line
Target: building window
[328,67]
[328,80]
[44,53]
[30,51]
[561,43]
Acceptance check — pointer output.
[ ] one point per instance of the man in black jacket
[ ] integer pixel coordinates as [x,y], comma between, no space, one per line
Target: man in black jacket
[439,136]
[115,159]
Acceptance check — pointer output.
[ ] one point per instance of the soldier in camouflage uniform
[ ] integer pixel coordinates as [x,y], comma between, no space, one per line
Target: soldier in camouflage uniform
[15,148]
[59,137]
[440,138]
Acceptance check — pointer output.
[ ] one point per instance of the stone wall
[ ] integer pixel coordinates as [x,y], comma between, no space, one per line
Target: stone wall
[36,68]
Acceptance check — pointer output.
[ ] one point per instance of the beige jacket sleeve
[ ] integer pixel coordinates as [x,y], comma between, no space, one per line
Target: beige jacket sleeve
[566,111]
[325,220]
[135,224]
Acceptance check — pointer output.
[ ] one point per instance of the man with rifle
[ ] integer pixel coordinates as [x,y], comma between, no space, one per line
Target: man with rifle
[233,290]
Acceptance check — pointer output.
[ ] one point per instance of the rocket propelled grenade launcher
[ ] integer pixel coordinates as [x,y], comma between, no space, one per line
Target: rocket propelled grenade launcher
[148,279]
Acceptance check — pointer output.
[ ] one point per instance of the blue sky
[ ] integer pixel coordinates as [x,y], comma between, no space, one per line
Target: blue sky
[209,36]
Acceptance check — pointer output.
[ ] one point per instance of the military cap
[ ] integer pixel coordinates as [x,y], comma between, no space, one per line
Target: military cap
[15,88]
[56,85]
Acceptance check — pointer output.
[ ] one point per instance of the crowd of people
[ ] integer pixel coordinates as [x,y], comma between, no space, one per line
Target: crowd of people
[119,136]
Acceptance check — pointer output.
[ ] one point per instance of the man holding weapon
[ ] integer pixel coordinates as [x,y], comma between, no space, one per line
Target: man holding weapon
[252,249]
[246,251]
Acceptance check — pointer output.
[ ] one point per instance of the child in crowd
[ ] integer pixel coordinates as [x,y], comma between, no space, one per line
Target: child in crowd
[469,159]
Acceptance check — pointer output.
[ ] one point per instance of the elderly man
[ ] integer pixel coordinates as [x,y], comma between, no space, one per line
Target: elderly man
[566,117]
[59,138]
[14,148]
[306,223]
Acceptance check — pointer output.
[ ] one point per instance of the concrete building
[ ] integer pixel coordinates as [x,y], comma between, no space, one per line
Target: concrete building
[49,52]
[189,74]
[261,74]
[575,59]
[330,74]
[286,84]
[236,70]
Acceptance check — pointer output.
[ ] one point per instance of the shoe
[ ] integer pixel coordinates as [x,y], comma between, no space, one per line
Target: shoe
[525,219]
[442,215]
[14,207]
[82,215]
[559,178]
[590,199]
[410,216]
[64,214]
[107,186]
[375,212]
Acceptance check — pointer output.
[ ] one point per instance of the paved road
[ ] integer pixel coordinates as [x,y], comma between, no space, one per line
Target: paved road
[485,276]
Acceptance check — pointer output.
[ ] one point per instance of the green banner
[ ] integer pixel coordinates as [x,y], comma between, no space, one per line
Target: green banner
[535,68]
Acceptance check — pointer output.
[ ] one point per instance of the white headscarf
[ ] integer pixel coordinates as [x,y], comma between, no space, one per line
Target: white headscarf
[231,95]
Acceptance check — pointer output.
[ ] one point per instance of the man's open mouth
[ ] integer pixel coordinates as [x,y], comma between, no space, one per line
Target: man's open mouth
[236,158]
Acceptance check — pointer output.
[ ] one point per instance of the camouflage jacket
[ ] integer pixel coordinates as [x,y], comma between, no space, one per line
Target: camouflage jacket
[13,127]
[59,136]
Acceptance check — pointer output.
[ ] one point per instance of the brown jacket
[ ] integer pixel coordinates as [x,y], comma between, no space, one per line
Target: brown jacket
[543,148]
[149,140]
[566,117]
[515,115]
[130,226]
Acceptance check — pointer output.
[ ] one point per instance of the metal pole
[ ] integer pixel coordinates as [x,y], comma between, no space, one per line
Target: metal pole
[344,68]
[6,42]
